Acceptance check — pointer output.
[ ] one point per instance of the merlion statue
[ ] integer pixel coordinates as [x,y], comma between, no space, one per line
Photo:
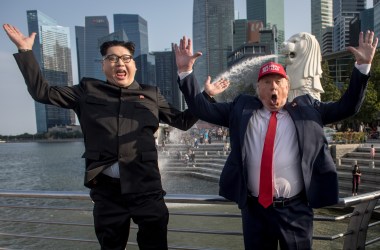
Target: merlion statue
[303,65]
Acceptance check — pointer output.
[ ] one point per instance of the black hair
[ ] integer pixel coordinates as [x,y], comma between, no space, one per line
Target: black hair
[128,45]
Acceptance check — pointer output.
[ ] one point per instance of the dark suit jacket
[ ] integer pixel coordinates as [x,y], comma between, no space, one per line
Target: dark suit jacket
[117,123]
[309,117]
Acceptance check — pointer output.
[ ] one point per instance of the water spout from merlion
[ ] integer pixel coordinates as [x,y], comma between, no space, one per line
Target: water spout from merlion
[242,76]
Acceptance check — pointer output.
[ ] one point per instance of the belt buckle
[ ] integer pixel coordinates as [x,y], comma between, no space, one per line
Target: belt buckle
[279,203]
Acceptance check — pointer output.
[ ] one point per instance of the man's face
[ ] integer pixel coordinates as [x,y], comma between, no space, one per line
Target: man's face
[273,91]
[119,73]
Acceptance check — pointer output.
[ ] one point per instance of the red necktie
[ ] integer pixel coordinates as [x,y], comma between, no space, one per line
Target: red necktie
[266,171]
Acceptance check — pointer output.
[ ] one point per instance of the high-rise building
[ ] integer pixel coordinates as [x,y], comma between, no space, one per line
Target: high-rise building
[246,31]
[53,53]
[96,27]
[321,17]
[343,12]
[80,44]
[136,29]
[367,20]
[146,69]
[270,12]
[376,19]
[166,77]
[326,45]
[212,35]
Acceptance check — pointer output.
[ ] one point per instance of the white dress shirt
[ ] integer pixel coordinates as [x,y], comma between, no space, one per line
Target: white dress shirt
[288,180]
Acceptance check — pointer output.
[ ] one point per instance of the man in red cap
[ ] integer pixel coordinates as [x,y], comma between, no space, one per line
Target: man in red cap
[279,167]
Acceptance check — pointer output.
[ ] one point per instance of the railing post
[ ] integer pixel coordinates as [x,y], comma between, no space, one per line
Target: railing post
[358,225]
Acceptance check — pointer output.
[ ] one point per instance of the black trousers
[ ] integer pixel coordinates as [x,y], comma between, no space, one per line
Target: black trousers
[290,226]
[113,212]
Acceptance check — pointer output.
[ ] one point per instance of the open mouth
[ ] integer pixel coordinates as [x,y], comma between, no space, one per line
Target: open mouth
[120,73]
[274,99]
[292,54]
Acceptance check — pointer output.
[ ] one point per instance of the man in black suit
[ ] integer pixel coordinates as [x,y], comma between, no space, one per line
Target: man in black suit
[303,174]
[118,119]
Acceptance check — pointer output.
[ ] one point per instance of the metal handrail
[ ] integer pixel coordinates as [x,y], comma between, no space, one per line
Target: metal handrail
[354,237]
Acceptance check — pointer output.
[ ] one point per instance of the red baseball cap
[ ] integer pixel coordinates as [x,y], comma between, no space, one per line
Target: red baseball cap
[271,68]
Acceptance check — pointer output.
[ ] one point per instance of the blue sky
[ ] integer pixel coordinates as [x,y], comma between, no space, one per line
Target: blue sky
[168,21]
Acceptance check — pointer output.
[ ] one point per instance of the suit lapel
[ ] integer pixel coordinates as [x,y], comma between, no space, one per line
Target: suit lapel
[297,117]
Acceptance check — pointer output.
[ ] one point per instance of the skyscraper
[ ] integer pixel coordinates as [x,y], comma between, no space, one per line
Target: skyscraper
[95,28]
[52,51]
[166,76]
[376,18]
[321,17]
[136,29]
[212,35]
[270,12]
[343,12]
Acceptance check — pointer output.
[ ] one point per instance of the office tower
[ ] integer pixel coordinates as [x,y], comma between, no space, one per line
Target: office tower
[376,19]
[321,17]
[327,38]
[118,36]
[343,12]
[53,53]
[136,29]
[246,31]
[80,44]
[166,77]
[212,35]
[270,12]
[95,28]
[367,19]
[146,70]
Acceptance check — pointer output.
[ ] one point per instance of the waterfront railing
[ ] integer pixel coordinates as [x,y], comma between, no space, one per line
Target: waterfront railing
[62,220]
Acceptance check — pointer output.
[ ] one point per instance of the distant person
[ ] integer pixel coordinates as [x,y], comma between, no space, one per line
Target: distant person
[186,159]
[356,174]
[118,118]
[279,167]
[372,152]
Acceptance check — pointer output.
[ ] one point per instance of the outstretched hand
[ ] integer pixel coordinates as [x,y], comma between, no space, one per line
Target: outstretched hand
[21,41]
[184,55]
[367,47]
[215,88]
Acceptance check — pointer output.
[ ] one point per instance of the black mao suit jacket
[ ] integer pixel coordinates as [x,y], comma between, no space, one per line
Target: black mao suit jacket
[309,116]
[117,123]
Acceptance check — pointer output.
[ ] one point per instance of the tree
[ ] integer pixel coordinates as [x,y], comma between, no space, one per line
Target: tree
[332,92]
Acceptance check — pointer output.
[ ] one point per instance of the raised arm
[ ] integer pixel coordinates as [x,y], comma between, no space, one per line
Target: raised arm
[184,56]
[20,40]
[365,52]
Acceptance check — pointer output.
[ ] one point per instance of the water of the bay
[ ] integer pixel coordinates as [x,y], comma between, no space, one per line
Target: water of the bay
[58,166]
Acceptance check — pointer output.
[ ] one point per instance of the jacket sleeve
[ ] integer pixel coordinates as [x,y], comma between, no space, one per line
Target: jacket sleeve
[216,113]
[39,88]
[350,102]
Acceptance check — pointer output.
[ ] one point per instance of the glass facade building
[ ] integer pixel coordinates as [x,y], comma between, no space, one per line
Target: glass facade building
[321,18]
[166,77]
[53,53]
[136,29]
[270,12]
[343,12]
[212,35]
[95,28]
